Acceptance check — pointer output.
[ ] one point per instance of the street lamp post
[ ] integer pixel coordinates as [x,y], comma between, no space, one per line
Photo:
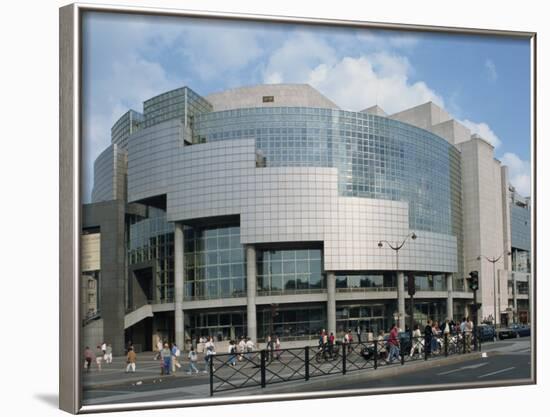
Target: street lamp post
[396,249]
[494,260]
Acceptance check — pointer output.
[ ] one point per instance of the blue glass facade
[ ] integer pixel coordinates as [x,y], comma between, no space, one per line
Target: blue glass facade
[376,157]
[520,227]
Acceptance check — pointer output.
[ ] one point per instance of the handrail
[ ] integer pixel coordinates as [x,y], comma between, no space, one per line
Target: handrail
[258,368]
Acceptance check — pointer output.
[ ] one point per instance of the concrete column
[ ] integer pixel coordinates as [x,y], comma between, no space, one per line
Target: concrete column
[515,295]
[331,303]
[401,300]
[251,292]
[179,259]
[449,278]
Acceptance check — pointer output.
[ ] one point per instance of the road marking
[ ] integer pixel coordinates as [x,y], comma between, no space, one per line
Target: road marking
[463,368]
[497,372]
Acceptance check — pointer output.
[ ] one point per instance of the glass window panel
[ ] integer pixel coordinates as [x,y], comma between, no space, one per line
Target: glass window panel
[224,256]
[212,258]
[225,287]
[289,267]
[224,271]
[302,266]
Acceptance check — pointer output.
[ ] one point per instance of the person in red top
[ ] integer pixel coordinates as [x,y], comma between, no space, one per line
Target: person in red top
[331,344]
[393,343]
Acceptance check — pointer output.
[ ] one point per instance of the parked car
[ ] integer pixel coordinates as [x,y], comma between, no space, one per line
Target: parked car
[486,333]
[514,330]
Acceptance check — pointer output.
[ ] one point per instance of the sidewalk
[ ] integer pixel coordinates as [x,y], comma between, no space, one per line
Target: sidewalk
[147,369]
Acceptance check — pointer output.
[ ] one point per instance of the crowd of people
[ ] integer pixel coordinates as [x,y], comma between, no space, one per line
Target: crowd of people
[102,353]
[388,346]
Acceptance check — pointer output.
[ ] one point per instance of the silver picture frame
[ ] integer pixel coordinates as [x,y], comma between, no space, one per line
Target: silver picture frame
[70,216]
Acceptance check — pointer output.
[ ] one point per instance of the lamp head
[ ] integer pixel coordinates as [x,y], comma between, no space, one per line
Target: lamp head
[479,258]
[379,244]
[413,237]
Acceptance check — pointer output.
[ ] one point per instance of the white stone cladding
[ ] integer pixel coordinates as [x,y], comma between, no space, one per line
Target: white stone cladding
[279,204]
[283,95]
[483,219]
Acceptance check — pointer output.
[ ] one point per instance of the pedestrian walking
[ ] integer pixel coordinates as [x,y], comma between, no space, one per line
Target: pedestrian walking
[331,340]
[159,348]
[358,331]
[249,348]
[468,329]
[109,354]
[270,347]
[416,342]
[131,360]
[209,351]
[393,343]
[428,334]
[350,340]
[99,357]
[278,348]
[89,356]
[345,340]
[435,337]
[166,359]
[175,351]
[104,350]
[192,361]
[381,345]
[242,348]
[232,350]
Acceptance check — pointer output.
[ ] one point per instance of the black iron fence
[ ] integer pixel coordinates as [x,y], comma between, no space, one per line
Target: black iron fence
[265,367]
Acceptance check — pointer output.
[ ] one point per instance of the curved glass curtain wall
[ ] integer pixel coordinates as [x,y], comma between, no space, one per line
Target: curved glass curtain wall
[376,157]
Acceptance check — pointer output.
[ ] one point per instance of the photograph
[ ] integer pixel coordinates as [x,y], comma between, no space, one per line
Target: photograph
[277,207]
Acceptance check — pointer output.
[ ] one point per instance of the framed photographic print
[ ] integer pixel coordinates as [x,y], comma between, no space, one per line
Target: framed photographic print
[260,208]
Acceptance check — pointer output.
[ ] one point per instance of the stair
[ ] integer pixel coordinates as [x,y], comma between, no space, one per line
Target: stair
[137,315]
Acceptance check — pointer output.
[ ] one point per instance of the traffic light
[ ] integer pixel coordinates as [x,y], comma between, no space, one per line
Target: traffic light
[410,284]
[473,281]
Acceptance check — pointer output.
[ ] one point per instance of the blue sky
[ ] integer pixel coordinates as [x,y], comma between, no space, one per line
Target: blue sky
[483,82]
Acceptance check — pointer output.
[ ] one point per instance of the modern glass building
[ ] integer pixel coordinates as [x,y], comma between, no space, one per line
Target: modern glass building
[269,210]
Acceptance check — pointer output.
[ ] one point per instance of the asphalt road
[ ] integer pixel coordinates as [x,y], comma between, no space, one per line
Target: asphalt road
[507,361]
[497,368]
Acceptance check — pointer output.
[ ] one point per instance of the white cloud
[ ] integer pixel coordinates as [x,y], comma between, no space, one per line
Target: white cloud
[353,82]
[297,56]
[491,69]
[380,78]
[213,50]
[483,130]
[519,172]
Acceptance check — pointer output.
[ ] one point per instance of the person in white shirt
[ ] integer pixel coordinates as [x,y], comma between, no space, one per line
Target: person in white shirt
[417,341]
[209,350]
[249,347]
[241,348]
[192,361]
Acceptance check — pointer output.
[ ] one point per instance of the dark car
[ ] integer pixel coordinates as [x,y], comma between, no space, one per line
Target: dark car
[486,333]
[514,330]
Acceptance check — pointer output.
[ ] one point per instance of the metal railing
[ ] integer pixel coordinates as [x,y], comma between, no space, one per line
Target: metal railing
[231,371]
[91,317]
[367,289]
